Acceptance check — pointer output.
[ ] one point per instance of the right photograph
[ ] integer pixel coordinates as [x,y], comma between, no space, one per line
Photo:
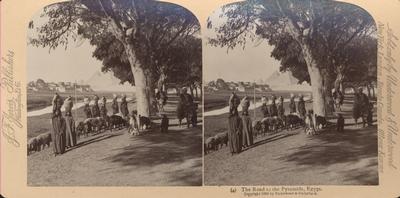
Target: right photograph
[290,94]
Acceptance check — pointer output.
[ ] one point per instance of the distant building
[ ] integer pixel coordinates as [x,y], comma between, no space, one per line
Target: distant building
[52,86]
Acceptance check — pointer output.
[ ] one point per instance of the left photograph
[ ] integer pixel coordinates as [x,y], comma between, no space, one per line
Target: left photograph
[114,95]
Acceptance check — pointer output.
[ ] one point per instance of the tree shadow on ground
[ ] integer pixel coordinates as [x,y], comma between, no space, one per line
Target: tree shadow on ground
[349,146]
[93,139]
[175,147]
[270,138]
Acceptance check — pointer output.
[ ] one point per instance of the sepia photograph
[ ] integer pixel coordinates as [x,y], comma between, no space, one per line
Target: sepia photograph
[114,95]
[290,94]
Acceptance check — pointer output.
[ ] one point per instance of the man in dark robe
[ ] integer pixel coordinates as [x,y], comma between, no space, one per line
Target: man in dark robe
[281,109]
[361,106]
[235,133]
[114,105]
[273,110]
[180,109]
[124,107]
[301,107]
[341,97]
[188,104]
[103,108]
[264,107]
[234,102]
[70,135]
[245,103]
[95,107]
[86,108]
[292,105]
[58,123]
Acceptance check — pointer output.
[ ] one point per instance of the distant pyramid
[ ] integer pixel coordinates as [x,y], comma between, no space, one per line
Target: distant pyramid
[285,81]
[107,82]
[281,78]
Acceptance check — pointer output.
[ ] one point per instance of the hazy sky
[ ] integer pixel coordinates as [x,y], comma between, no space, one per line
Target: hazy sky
[73,64]
[251,64]
[76,63]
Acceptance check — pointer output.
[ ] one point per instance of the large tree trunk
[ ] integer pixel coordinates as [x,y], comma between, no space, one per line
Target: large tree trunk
[328,86]
[316,78]
[317,85]
[142,96]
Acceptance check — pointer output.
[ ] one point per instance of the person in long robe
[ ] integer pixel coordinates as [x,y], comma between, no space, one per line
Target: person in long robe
[58,124]
[86,109]
[187,104]
[235,133]
[281,108]
[264,107]
[234,102]
[245,103]
[273,109]
[70,135]
[124,107]
[292,105]
[114,105]
[103,108]
[180,109]
[95,107]
[247,132]
[341,97]
[301,107]
[361,107]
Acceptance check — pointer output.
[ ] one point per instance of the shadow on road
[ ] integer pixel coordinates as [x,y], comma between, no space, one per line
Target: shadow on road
[350,146]
[175,147]
[94,140]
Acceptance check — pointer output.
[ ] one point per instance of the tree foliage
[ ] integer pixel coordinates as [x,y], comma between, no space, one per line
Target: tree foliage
[326,27]
[154,29]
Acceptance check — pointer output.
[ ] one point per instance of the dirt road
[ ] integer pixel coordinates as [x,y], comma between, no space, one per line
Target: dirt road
[293,158]
[119,159]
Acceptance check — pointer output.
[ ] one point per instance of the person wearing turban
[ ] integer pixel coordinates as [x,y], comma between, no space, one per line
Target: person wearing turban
[70,135]
[58,124]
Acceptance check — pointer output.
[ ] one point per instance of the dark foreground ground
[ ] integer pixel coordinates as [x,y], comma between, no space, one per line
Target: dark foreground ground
[118,159]
[293,158]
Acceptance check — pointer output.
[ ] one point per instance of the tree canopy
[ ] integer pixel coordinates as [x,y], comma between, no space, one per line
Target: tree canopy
[134,39]
[310,38]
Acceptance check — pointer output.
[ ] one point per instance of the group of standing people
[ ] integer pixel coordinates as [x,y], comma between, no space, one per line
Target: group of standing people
[63,135]
[278,110]
[99,109]
[240,130]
